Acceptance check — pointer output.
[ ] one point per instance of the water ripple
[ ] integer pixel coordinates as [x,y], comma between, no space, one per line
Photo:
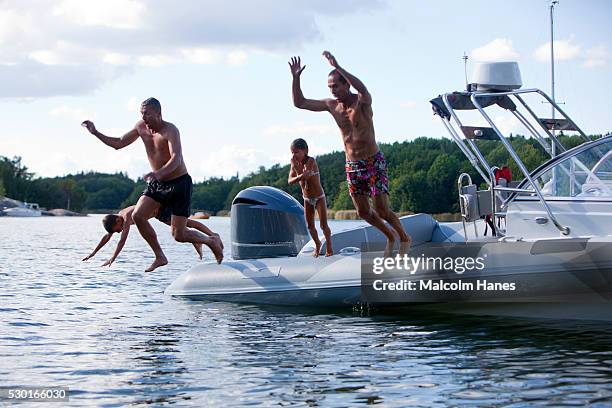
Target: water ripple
[113,337]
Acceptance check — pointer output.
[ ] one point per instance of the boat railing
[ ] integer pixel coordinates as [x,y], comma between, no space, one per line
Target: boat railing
[475,101]
[565,230]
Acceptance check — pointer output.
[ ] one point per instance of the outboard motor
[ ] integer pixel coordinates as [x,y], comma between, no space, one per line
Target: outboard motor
[267,222]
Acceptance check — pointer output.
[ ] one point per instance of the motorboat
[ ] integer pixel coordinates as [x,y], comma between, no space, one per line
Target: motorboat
[26,210]
[548,253]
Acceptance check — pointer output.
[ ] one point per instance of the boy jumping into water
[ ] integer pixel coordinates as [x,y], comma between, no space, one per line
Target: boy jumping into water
[122,222]
[366,169]
[304,170]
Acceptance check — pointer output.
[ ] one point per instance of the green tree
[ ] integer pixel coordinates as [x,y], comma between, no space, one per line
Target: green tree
[135,194]
[15,178]
[442,182]
[343,200]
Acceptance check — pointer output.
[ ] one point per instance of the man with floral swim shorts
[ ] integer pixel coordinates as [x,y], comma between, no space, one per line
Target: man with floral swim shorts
[366,169]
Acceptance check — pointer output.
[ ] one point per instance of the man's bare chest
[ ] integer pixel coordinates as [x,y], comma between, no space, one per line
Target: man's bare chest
[350,119]
[154,141]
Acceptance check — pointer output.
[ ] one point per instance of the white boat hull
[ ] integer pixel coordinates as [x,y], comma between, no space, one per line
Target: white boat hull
[22,212]
[541,270]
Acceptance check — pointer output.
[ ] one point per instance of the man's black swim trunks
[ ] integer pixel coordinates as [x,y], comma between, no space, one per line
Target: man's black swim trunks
[164,215]
[174,195]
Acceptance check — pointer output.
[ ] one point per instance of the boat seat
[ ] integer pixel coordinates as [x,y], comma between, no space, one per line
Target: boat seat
[419,226]
[448,232]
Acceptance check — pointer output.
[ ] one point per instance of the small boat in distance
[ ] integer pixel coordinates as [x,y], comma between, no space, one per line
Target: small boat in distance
[26,210]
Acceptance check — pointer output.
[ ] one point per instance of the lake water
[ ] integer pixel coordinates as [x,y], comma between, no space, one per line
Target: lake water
[114,338]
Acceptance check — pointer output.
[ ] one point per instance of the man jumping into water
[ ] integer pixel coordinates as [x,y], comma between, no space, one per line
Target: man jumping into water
[366,169]
[169,183]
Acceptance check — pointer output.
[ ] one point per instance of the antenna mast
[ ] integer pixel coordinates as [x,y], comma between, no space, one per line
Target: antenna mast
[552,60]
[465,58]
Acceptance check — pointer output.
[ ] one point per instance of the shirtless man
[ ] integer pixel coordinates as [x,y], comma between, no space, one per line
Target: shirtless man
[122,222]
[366,169]
[169,183]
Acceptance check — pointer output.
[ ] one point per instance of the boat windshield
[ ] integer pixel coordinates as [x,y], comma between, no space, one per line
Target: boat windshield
[585,174]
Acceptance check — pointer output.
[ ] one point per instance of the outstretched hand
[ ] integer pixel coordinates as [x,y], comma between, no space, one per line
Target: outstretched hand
[109,262]
[331,59]
[88,124]
[87,258]
[295,64]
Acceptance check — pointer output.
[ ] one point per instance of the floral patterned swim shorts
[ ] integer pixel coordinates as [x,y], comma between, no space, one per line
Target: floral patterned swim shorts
[367,176]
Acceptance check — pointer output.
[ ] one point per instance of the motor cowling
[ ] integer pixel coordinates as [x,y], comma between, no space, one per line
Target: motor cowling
[267,222]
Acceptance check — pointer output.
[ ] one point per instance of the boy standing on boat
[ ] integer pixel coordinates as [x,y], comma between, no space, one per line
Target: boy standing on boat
[169,183]
[366,169]
[122,221]
[304,170]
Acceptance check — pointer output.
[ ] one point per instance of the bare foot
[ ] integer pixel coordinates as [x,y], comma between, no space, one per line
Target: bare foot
[216,248]
[329,252]
[218,236]
[159,261]
[198,248]
[405,246]
[389,248]
[317,250]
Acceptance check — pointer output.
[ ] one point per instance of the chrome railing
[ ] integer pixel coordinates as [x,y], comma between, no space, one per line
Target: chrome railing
[479,162]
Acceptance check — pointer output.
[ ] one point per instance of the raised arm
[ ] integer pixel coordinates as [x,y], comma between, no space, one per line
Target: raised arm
[114,142]
[362,91]
[120,244]
[298,97]
[176,156]
[101,244]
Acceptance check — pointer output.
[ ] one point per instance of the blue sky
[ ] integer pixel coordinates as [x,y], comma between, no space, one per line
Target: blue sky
[220,71]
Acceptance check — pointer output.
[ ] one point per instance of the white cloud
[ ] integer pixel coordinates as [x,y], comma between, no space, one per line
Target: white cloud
[565,50]
[321,138]
[76,114]
[20,34]
[505,124]
[232,159]
[46,57]
[235,58]
[62,52]
[98,40]
[116,58]
[500,49]
[509,124]
[203,56]
[35,80]
[133,104]
[156,60]
[120,14]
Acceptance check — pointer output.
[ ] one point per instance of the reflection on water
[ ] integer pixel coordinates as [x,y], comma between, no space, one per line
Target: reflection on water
[113,337]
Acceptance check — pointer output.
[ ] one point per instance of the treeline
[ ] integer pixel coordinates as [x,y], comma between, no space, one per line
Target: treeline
[423,178]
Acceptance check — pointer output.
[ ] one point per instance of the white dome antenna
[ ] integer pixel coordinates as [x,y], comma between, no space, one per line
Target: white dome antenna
[496,76]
